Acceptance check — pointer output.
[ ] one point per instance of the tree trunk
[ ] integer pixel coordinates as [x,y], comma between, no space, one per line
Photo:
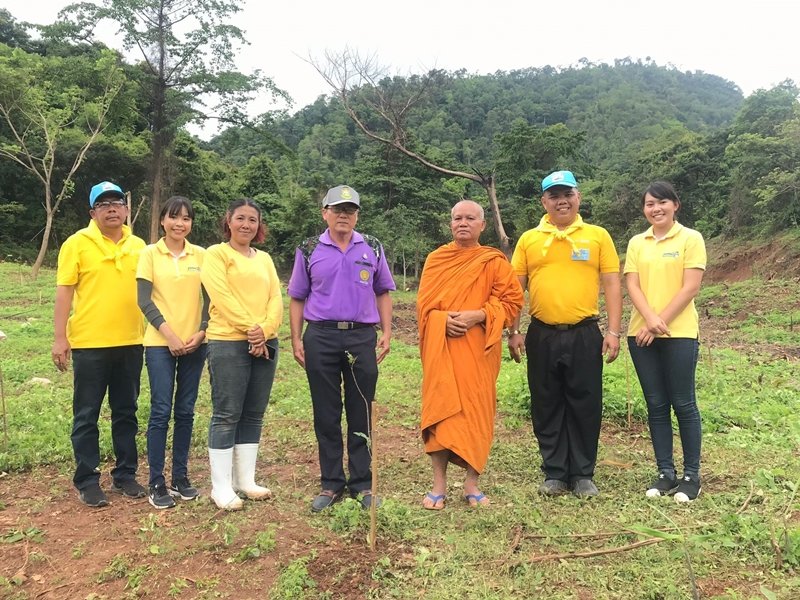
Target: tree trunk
[48,227]
[491,191]
[159,125]
[157,161]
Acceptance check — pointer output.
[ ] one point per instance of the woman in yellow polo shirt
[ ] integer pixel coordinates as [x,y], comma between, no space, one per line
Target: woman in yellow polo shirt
[169,294]
[663,271]
[245,314]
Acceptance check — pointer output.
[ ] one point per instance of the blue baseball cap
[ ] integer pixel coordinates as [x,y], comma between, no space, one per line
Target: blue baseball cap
[104,188]
[565,178]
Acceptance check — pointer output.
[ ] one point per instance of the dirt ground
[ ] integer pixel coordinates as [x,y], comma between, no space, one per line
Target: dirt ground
[83,553]
[94,553]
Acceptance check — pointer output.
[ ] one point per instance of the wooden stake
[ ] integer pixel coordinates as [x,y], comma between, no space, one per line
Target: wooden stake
[373,507]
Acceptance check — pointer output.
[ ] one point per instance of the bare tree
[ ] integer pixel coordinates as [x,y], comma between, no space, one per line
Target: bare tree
[356,82]
[38,119]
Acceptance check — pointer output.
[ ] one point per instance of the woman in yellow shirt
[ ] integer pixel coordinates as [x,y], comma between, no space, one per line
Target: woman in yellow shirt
[245,315]
[169,295]
[664,267]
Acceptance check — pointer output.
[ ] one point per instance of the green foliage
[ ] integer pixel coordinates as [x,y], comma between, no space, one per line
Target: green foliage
[294,582]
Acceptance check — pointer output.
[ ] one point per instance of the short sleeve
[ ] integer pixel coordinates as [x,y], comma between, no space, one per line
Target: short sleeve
[518,259]
[609,259]
[632,257]
[68,263]
[299,282]
[695,251]
[144,269]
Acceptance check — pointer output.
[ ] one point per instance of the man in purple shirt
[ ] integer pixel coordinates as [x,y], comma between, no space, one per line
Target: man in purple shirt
[340,286]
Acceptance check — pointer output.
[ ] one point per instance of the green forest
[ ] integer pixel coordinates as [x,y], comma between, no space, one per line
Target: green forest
[74,112]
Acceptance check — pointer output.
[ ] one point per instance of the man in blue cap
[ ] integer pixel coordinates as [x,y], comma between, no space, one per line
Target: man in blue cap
[96,281]
[562,263]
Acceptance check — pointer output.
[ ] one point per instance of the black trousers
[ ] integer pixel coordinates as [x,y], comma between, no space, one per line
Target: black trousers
[97,370]
[337,359]
[565,375]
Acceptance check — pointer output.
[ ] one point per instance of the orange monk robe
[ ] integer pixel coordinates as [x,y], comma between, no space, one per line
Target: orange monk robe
[459,374]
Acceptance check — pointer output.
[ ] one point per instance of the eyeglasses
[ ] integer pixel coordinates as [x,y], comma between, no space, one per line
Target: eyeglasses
[346,210]
[103,204]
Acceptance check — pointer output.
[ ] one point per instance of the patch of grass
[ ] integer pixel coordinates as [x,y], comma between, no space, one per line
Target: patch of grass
[741,537]
[295,582]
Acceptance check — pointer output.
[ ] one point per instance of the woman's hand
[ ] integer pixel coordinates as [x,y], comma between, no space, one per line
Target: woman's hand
[657,326]
[644,337]
[194,341]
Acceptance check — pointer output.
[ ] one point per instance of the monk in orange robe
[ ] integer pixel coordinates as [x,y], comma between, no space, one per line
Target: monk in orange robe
[467,294]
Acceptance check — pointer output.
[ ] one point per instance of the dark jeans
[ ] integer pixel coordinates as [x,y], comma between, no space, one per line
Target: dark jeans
[335,356]
[666,371]
[240,389]
[95,371]
[179,376]
[565,375]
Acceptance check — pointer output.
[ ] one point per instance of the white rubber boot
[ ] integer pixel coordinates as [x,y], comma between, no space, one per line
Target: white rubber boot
[244,472]
[222,493]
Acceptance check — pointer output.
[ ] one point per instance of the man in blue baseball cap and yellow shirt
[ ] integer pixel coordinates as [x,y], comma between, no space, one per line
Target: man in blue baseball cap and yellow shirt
[96,282]
[562,263]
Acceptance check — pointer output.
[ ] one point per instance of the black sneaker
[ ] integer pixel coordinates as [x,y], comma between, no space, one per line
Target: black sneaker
[93,496]
[663,485]
[584,488]
[129,488]
[159,497]
[688,488]
[325,499]
[181,488]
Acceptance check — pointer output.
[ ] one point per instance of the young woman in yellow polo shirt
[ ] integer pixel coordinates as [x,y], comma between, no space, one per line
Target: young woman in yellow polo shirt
[169,291]
[245,314]
[663,271]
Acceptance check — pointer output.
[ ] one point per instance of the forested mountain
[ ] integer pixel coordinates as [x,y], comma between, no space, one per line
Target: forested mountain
[734,160]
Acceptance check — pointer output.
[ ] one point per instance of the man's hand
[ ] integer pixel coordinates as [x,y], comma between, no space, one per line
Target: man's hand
[516,346]
[61,352]
[454,327]
[458,323]
[299,352]
[610,347]
[383,347]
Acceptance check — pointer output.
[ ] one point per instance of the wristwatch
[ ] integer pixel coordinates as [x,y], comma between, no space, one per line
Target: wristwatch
[514,332]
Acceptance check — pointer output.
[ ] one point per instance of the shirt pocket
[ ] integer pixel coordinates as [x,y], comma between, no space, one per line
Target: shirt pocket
[363,272]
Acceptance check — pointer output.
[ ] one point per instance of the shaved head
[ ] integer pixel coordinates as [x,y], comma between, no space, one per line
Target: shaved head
[464,204]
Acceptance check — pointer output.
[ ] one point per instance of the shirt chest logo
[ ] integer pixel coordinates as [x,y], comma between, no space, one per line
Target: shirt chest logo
[673,254]
[581,254]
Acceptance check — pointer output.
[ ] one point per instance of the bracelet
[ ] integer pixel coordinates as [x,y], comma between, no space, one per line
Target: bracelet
[514,332]
[614,333]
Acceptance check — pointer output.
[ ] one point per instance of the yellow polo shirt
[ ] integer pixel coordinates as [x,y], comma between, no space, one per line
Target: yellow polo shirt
[564,282]
[176,289]
[105,313]
[660,265]
[244,292]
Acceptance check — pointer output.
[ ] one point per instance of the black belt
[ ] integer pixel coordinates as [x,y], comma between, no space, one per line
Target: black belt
[341,324]
[564,327]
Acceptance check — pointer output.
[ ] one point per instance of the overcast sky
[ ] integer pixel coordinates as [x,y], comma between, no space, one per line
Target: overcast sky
[752,43]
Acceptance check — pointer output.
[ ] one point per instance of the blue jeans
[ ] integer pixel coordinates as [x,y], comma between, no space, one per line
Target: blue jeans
[666,370]
[240,389]
[97,370]
[179,376]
